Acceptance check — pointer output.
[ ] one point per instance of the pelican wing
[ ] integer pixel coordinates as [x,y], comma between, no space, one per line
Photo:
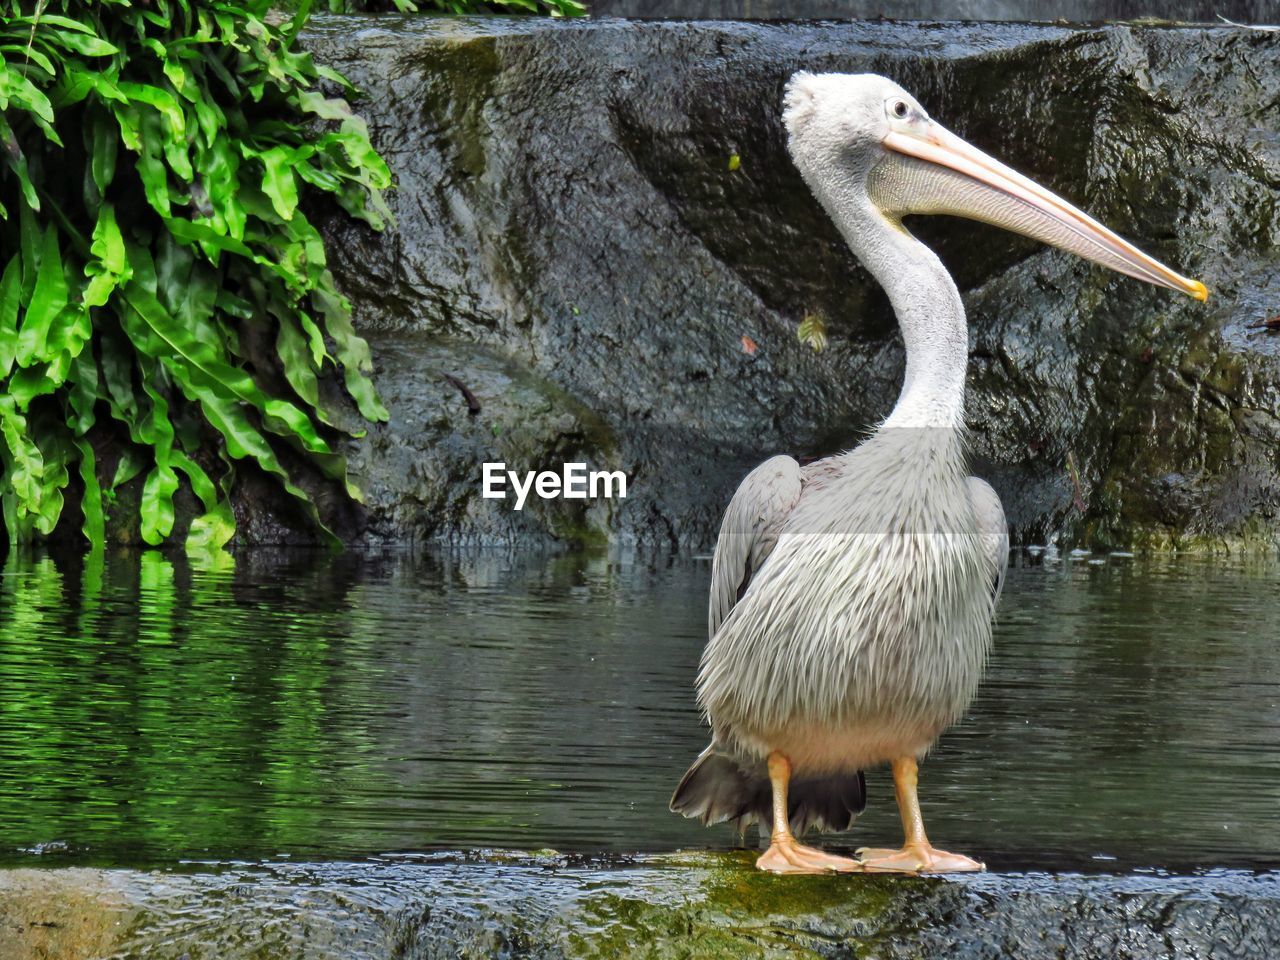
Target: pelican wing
[994,531]
[750,531]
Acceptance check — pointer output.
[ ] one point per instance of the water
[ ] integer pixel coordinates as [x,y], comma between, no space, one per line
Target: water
[317,708]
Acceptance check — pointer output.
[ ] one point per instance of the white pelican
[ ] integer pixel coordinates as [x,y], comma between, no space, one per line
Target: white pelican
[851,599]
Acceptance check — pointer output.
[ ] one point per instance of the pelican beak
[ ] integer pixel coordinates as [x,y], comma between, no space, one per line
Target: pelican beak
[943,174]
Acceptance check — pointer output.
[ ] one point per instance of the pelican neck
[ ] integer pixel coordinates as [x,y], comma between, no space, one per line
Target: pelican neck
[931,318]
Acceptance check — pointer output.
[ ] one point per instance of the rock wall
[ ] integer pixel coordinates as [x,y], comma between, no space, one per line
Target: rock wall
[1075,11]
[575,246]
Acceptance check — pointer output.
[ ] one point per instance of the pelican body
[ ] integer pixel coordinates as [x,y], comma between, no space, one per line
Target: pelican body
[852,598]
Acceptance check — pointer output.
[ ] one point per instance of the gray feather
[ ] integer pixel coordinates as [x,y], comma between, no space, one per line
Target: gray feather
[749,532]
[989,515]
[717,789]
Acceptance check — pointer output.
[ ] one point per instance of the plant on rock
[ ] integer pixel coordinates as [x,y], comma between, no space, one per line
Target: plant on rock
[165,307]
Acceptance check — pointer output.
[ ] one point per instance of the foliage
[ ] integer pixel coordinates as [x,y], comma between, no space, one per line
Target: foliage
[163,294]
[813,332]
[556,8]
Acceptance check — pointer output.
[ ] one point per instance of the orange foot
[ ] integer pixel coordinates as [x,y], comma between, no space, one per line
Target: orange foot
[787,856]
[916,858]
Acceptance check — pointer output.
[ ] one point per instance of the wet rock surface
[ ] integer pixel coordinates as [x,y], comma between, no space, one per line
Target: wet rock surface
[708,905]
[472,404]
[575,243]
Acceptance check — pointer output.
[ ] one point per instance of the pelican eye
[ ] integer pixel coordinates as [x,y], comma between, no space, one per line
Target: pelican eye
[900,109]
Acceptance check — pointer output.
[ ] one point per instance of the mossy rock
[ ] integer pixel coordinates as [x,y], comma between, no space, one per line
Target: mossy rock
[693,906]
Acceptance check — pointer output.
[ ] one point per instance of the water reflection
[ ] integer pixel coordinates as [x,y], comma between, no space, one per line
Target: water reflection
[323,706]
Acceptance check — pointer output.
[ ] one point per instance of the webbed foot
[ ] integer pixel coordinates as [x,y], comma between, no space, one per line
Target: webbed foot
[788,856]
[916,858]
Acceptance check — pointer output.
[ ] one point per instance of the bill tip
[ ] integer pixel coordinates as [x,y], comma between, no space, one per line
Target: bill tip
[1199,291]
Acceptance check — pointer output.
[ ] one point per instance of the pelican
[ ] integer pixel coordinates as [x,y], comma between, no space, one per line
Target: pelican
[852,598]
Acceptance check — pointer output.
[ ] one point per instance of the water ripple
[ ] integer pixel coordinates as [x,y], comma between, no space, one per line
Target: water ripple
[339,707]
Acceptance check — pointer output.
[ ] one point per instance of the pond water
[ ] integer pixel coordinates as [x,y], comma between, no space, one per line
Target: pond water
[298,705]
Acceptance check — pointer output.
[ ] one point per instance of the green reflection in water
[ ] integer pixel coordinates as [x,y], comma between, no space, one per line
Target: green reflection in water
[296,703]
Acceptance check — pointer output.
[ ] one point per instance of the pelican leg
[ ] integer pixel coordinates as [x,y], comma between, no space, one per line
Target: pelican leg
[917,854]
[785,854]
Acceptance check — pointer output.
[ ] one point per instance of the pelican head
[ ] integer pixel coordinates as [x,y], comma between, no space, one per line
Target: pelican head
[860,140]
